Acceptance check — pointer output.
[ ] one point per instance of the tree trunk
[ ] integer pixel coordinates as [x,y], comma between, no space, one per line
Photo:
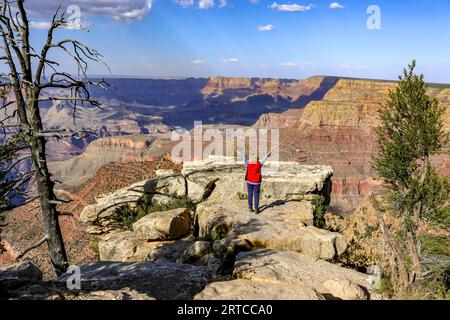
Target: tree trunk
[45,186]
[50,215]
[416,269]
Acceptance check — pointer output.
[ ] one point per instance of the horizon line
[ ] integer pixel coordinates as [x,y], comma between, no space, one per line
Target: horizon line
[120,76]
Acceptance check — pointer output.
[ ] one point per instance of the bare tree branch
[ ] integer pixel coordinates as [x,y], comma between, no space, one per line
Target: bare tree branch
[32,247]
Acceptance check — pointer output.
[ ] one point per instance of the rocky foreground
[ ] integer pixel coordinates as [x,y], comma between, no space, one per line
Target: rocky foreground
[218,250]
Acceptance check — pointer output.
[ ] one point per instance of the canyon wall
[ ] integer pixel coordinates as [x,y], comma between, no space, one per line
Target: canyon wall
[121,149]
[340,131]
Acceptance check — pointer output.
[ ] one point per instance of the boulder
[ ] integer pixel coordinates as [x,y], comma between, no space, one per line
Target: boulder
[106,204]
[165,187]
[25,271]
[117,246]
[126,247]
[160,191]
[281,226]
[18,275]
[161,280]
[295,269]
[224,180]
[196,251]
[166,225]
[241,289]
[228,248]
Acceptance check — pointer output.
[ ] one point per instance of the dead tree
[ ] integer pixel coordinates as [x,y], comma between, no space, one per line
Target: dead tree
[32,79]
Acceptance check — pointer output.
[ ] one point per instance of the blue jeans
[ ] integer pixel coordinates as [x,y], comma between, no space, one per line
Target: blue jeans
[253,191]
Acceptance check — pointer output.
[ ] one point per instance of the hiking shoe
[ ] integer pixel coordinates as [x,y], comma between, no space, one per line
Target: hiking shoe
[251,210]
[257,211]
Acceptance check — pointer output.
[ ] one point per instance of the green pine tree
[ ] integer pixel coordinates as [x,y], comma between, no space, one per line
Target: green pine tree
[411,132]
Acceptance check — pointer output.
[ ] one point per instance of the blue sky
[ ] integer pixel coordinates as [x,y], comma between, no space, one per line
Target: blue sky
[168,39]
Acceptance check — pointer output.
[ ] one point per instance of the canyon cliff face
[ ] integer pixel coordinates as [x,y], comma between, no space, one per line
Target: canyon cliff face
[242,88]
[322,120]
[336,127]
[150,106]
[340,131]
[121,149]
[112,119]
[287,119]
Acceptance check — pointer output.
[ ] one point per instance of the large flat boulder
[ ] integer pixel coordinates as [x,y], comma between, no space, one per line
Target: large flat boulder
[161,280]
[280,226]
[160,189]
[166,225]
[282,180]
[278,275]
[106,204]
[295,269]
[126,247]
[241,289]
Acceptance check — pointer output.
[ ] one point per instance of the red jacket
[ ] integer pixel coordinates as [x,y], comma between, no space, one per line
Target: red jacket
[254,173]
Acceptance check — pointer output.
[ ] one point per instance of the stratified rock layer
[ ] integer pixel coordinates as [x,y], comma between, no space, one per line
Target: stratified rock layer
[280,227]
[268,274]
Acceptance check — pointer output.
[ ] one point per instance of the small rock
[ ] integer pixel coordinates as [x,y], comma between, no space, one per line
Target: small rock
[167,225]
[230,247]
[195,252]
[345,290]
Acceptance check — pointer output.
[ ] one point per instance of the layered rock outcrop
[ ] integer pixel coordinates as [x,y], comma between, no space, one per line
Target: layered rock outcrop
[217,180]
[280,226]
[289,118]
[282,180]
[268,274]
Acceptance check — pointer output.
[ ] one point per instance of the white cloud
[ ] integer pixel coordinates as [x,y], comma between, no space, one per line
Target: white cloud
[41,25]
[223,3]
[206,4]
[230,60]
[267,27]
[198,61]
[292,7]
[254,1]
[118,9]
[71,25]
[184,3]
[297,64]
[202,4]
[336,5]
